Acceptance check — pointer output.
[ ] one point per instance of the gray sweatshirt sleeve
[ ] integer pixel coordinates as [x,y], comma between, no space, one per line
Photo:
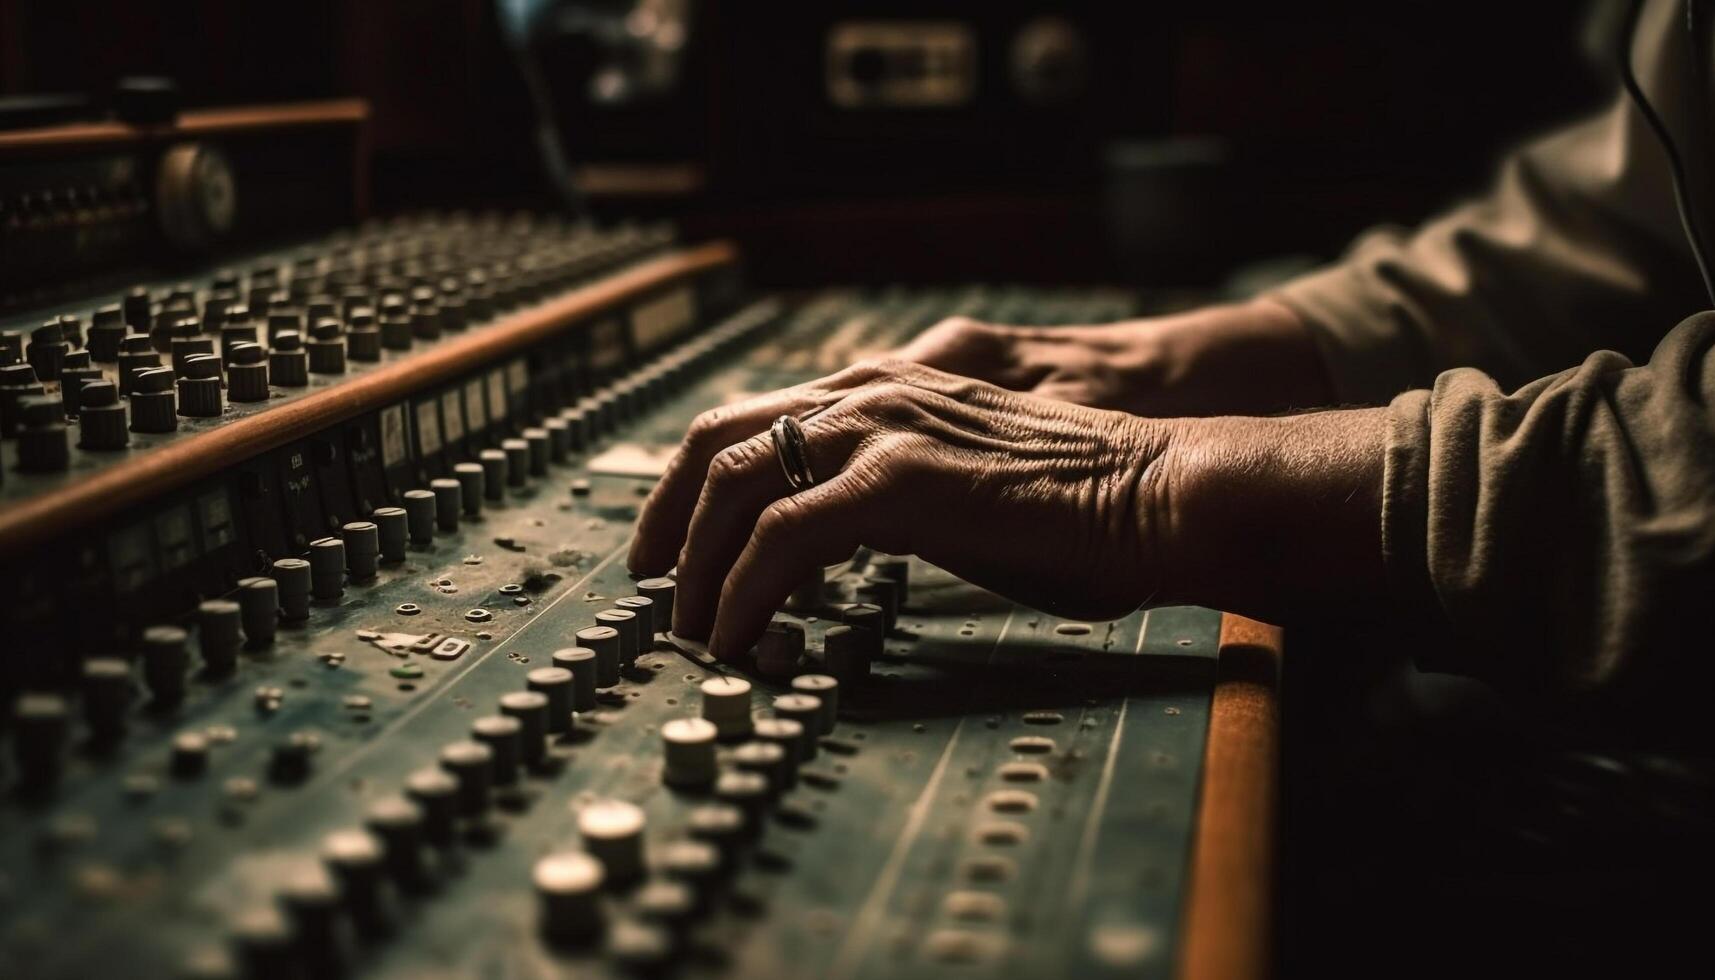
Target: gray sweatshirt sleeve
[1559,539]
[1576,248]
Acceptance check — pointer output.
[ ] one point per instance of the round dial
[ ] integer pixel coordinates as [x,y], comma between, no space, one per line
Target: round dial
[196,196]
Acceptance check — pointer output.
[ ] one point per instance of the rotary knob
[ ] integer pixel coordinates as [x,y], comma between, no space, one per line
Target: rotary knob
[196,196]
[612,832]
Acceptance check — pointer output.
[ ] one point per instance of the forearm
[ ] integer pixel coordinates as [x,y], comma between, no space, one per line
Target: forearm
[1277,518]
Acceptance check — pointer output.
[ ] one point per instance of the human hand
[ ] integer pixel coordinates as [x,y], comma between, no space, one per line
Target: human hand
[1081,512]
[1254,358]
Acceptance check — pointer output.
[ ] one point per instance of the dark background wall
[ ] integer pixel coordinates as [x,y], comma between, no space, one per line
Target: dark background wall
[1311,121]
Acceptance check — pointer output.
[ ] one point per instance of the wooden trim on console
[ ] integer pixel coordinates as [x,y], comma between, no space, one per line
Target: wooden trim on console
[1229,914]
[150,474]
[199,122]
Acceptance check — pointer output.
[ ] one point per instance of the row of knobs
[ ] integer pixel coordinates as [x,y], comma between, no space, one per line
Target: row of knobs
[250,617]
[662,889]
[247,335]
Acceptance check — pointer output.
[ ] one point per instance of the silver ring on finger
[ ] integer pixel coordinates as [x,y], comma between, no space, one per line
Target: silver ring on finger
[793,451]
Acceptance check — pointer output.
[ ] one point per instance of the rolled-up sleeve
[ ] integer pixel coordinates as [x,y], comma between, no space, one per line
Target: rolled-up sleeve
[1576,248]
[1559,539]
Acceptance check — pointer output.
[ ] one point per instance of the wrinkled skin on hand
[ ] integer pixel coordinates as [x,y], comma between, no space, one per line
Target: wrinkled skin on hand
[1249,359]
[1048,503]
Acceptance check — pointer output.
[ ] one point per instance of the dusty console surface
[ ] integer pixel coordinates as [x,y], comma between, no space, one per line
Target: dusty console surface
[405,780]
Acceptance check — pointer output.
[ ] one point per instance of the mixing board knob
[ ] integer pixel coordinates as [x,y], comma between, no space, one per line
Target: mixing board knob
[767,760]
[138,307]
[471,764]
[289,762]
[472,483]
[581,661]
[72,381]
[246,374]
[311,899]
[612,831]
[420,511]
[47,350]
[265,943]
[605,641]
[362,549]
[238,329]
[357,859]
[44,444]
[826,690]
[395,330]
[536,443]
[696,863]
[327,569]
[577,429]
[789,734]
[363,340]
[436,793]
[165,661]
[726,704]
[449,501]
[643,627]
[189,758]
[136,355]
[199,387]
[568,885]
[749,792]
[666,902]
[153,407]
[627,624]
[780,649]
[504,737]
[806,710]
[660,593]
[493,474]
[884,594]
[689,745]
[40,724]
[556,684]
[868,617]
[292,577]
[392,527]
[288,365]
[218,624]
[283,320]
[186,347]
[17,382]
[259,607]
[398,824]
[639,948]
[720,825]
[105,332]
[326,347]
[559,439]
[846,652]
[107,692]
[897,569]
[517,461]
[530,710]
[12,348]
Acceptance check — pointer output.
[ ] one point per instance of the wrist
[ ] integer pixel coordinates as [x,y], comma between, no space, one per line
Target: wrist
[1252,358]
[1277,518]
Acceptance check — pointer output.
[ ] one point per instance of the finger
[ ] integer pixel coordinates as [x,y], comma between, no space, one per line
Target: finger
[959,345]
[667,513]
[742,481]
[797,536]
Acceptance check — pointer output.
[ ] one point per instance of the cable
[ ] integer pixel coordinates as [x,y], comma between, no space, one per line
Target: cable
[1681,196]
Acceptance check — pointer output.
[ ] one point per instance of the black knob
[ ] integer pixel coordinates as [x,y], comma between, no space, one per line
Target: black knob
[101,417]
[288,364]
[43,444]
[153,407]
[246,374]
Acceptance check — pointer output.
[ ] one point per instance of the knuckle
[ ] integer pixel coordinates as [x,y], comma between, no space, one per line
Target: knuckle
[729,465]
[780,520]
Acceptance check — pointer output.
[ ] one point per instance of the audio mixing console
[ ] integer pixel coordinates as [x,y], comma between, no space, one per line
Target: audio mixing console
[323,658]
